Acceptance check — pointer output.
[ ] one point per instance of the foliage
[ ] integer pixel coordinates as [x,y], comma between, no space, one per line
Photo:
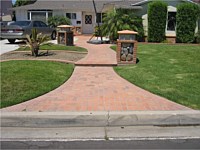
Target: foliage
[187,15]
[157,15]
[121,19]
[35,41]
[55,21]
[34,78]
[23,2]
[171,71]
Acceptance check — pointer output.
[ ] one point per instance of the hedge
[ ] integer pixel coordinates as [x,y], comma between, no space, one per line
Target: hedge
[187,15]
[157,15]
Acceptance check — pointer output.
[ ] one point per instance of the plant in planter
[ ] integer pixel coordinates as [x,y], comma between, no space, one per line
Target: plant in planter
[35,41]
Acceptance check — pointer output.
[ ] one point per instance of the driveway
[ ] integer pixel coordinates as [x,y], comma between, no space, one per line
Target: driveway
[7,47]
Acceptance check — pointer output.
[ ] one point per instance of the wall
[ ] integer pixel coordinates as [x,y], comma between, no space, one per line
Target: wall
[21,15]
[73,21]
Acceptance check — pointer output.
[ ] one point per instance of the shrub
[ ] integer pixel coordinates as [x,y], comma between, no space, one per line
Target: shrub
[157,15]
[58,20]
[121,19]
[187,15]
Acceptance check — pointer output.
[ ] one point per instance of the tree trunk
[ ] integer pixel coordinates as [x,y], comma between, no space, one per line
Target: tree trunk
[35,49]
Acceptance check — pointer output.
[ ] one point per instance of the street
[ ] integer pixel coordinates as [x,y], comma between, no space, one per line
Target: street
[115,144]
[124,137]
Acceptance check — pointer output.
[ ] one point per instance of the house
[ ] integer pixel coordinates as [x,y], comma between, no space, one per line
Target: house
[82,14]
[5,10]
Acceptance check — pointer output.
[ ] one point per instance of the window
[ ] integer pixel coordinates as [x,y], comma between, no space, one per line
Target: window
[171,23]
[42,24]
[71,15]
[39,15]
[99,17]
[88,19]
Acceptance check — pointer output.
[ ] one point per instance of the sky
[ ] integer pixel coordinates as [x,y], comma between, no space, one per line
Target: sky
[13,1]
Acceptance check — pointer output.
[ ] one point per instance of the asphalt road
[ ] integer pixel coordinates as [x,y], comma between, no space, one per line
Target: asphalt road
[119,144]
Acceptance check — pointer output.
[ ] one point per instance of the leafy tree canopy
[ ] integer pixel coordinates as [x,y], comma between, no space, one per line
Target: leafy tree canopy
[23,2]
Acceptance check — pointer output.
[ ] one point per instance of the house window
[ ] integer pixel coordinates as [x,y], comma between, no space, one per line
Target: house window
[71,15]
[171,23]
[39,15]
[99,17]
[88,19]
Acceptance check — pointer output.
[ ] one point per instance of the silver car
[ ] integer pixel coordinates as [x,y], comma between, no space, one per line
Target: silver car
[19,30]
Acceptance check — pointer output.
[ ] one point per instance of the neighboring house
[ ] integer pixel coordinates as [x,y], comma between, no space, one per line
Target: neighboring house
[81,12]
[5,10]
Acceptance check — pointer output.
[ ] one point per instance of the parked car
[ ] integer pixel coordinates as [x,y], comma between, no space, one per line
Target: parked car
[4,24]
[19,30]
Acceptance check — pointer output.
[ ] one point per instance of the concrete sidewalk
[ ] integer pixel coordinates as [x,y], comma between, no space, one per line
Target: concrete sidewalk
[99,119]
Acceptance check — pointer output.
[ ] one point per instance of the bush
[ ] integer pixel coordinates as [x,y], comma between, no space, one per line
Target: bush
[187,15]
[58,20]
[157,15]
[121,19]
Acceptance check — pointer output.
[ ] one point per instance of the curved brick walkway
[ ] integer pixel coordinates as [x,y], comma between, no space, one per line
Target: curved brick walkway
[97,54]
[97,89]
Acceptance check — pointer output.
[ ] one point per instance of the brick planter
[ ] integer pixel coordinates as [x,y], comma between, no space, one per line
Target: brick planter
[127,47]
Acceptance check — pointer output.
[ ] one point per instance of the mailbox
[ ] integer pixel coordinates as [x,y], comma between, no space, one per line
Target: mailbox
[127,47]
[65,35]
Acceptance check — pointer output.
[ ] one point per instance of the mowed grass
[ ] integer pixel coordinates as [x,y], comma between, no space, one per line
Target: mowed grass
[24,80]
[171,71]
[56,47]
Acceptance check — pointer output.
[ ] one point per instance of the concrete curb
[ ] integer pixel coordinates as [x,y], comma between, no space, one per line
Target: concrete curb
[99,119]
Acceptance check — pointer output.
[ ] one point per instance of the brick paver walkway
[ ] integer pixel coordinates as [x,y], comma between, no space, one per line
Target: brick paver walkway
[97,54]
[97,89]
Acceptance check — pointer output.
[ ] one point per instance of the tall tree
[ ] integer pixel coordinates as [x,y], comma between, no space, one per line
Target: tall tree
[23,2]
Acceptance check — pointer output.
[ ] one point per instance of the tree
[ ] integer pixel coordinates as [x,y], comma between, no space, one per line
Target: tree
[121,19]
[157,15]
[23,2]
[187,16]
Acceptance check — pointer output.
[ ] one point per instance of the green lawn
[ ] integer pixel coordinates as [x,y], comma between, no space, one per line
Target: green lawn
[172,71]
[56,47]
[24,80]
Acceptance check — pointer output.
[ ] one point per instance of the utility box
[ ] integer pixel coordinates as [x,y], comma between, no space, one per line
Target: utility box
[65,35]
[127,47]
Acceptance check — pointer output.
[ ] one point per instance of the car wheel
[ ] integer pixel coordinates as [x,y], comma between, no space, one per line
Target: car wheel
[12,41]
[53,35]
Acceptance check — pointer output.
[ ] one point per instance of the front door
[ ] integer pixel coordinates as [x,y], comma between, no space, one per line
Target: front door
[88,23]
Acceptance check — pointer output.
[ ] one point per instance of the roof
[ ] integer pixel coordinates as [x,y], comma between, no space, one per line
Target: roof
[82,5]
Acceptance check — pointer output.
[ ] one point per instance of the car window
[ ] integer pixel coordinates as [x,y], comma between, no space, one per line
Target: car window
[42,24]
[36,24]
[21,23]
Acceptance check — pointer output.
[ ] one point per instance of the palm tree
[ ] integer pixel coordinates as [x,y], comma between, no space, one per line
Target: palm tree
[120,19]
[35,41]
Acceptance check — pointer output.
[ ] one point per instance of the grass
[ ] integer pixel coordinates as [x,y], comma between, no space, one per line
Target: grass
[56,47]
[24,80]
[171,71]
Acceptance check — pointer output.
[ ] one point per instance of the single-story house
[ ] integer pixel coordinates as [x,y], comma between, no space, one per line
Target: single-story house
[82,13]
